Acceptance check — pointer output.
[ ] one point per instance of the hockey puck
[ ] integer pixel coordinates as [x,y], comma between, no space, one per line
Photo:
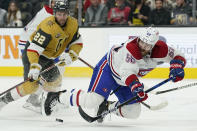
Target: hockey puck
[59,120]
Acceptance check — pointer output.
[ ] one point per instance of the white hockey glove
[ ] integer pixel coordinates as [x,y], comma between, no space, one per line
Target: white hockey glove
[34,71]
[66,59]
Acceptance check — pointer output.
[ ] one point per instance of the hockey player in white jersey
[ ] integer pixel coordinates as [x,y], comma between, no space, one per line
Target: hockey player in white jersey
[120,68]
[33,102]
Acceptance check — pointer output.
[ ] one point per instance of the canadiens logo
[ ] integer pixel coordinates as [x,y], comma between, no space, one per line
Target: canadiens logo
[58,35]
[105,89]
[143,72]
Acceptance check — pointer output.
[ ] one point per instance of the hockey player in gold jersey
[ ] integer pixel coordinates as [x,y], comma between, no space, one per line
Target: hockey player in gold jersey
[56,36]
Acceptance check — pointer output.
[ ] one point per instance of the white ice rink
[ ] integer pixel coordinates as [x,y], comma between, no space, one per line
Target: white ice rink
[179,115]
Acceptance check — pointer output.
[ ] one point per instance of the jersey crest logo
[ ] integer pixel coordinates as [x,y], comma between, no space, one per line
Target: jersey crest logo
[58,35]
[105,90]
[50,23]
[143,72]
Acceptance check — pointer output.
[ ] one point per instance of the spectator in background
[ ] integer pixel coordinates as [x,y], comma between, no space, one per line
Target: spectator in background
[182,13]
[130,3]
[4,4]
[76,13]
[86,4]
[13,15]
[119,14]
[169,4]
[139,16]
[112,3]
[159,16]
[3,14]
[150,3]
[96,14]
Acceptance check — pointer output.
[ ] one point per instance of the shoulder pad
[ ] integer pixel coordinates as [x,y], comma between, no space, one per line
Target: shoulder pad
[133,48]
[48,9]
[48,24]
[160,50]
[72,21]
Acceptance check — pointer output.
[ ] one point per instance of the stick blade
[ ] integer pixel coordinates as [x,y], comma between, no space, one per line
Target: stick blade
[86,116]
[160,106]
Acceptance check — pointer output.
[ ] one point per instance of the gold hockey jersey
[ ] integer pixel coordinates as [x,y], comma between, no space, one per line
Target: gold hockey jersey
[51,40]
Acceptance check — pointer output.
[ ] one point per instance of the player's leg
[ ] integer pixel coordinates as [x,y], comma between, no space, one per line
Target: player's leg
[132,110]
[100,87]
[24,89]
[33,100]
[15,94]
[50,81]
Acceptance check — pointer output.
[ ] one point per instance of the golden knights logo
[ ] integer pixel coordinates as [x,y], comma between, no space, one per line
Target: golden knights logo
[58,35]
[50,23]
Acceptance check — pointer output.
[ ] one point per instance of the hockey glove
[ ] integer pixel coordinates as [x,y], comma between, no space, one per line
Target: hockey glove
[138,90]
[34,71]
[176,70]
[65,58]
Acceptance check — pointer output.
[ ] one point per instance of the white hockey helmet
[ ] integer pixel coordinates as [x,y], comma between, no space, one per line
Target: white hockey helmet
[150,36]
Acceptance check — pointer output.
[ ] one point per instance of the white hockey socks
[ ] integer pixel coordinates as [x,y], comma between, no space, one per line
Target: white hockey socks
[70,98]
[131,111]
[79,97]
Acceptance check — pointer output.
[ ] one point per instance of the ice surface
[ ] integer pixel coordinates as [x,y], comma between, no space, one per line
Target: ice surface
[179,115]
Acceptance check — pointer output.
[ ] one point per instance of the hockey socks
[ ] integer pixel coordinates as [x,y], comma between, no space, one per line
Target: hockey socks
[70,98]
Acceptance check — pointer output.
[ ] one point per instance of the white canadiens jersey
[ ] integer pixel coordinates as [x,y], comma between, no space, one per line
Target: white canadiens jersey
[32,25]
[126,60]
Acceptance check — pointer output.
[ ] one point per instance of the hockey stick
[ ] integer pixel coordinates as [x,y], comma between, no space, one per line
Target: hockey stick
[85,62]
[151,107]
[92,119]
[157,107]
[177,88]
[45,70]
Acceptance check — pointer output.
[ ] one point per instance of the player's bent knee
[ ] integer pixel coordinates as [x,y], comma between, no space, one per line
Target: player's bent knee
[28,88]
[132,111]
[92,100]
[52,86]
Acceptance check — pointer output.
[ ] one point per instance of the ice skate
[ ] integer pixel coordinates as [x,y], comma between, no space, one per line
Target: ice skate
[2,103]
[33,103]
[4,100]
[50,101]
[104,106]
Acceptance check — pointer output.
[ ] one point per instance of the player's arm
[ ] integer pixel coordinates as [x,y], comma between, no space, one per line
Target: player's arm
[177,64]
[40,40]
[72,51]
[128,72]
[166,53]
[175,58]
[75,46]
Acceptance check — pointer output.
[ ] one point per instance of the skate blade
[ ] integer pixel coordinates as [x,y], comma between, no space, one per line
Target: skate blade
[44,97]
[30,107]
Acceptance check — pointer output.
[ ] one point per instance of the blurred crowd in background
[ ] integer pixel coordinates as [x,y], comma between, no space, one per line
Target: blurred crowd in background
[101,13]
